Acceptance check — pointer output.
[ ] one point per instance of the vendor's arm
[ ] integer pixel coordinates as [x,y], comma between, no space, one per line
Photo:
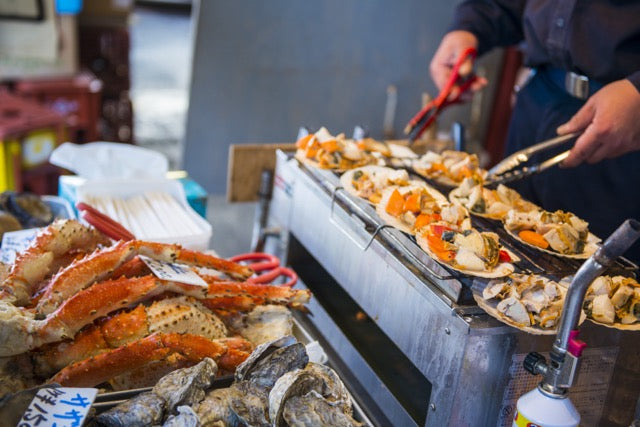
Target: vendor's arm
[609,121]
[481,25]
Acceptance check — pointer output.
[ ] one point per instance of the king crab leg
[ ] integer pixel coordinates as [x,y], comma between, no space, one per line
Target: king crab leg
[19,332]
[43,256]
[101,265]
[98,369]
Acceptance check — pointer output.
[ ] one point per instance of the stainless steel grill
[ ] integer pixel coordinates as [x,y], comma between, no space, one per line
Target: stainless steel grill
[405,332]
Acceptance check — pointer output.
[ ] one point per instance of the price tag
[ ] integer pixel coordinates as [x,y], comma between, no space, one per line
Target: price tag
[173,272]
[58,406]
[14,242]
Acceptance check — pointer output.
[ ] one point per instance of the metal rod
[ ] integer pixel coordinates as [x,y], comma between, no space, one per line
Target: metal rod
[612,248]
[262,211]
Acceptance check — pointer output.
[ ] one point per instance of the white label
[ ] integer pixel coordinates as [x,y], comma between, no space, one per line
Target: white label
[14,242]
[174,272]
[587,394]
[60,407]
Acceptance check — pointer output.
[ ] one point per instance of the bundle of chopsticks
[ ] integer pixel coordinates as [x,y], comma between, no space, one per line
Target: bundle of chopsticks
[146,216]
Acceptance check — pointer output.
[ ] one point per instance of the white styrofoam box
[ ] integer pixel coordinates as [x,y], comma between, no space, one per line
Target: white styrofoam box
[130,188]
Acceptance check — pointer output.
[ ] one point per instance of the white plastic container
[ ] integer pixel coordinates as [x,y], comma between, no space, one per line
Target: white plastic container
[127,188]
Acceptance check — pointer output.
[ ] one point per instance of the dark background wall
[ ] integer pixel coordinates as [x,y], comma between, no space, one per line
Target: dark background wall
[262,69]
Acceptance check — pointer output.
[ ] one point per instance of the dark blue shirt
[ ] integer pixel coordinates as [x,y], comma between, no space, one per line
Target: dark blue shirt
[596,38]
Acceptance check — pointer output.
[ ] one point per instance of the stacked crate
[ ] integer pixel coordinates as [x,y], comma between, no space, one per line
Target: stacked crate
[29,132]
[77,98]
[104,45]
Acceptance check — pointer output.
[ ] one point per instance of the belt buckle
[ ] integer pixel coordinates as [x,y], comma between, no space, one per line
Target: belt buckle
[577,85]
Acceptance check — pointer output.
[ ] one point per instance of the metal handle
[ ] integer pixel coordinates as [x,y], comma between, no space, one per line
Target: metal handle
[522,156]
[518,174]
[550,143]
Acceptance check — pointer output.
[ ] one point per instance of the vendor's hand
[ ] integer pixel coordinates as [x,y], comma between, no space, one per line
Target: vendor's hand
[453,44]
[610,123]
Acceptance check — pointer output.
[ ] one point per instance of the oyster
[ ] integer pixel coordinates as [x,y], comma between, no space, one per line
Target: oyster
[313,410]
[261,352]
[186,417]
[266,372]
[315,377]
[143,410]
[265,323]
[250,403]
[186,386]
[215,409]
[250,395]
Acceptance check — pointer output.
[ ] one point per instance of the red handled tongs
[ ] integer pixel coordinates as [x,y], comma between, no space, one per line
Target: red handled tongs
[268,266]
[104,223]
[425,117]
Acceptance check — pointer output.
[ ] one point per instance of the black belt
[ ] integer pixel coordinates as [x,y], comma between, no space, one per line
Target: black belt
[576,85]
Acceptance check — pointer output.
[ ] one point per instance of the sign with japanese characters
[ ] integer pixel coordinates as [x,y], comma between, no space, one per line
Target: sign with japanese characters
[58,407]
[173,272]
[14,242]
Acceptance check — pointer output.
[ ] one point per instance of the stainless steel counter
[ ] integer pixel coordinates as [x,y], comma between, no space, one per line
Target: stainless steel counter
[405,332]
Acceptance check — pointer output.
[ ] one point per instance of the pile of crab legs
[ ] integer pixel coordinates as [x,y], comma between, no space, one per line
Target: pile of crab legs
[68,299]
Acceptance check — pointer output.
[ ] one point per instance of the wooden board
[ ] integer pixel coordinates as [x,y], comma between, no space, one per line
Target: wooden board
[246,163]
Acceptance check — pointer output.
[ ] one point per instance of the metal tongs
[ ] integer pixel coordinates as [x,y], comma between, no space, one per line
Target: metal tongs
[427,115]
[512,168]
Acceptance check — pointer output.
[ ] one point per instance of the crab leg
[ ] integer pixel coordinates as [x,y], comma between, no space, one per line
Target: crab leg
[176,314]
[105,297]
[20,332]
[101,265]
[134,268]
[45,255]
[98,369]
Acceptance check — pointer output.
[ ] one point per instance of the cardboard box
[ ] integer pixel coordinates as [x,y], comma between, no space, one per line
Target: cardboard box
[45,48]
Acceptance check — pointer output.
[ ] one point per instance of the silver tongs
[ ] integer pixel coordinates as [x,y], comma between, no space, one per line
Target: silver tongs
[512,168]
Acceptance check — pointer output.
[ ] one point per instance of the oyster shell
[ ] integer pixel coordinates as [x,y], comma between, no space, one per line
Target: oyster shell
[266,372]
[186,386]
[186,417]
[215,409]
[266,323]
[143,410]
[261,352]
[314,377]
[249,403]
[313,410]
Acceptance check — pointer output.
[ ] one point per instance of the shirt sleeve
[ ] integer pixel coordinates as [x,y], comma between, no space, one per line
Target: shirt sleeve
[493,22]
[635,80]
